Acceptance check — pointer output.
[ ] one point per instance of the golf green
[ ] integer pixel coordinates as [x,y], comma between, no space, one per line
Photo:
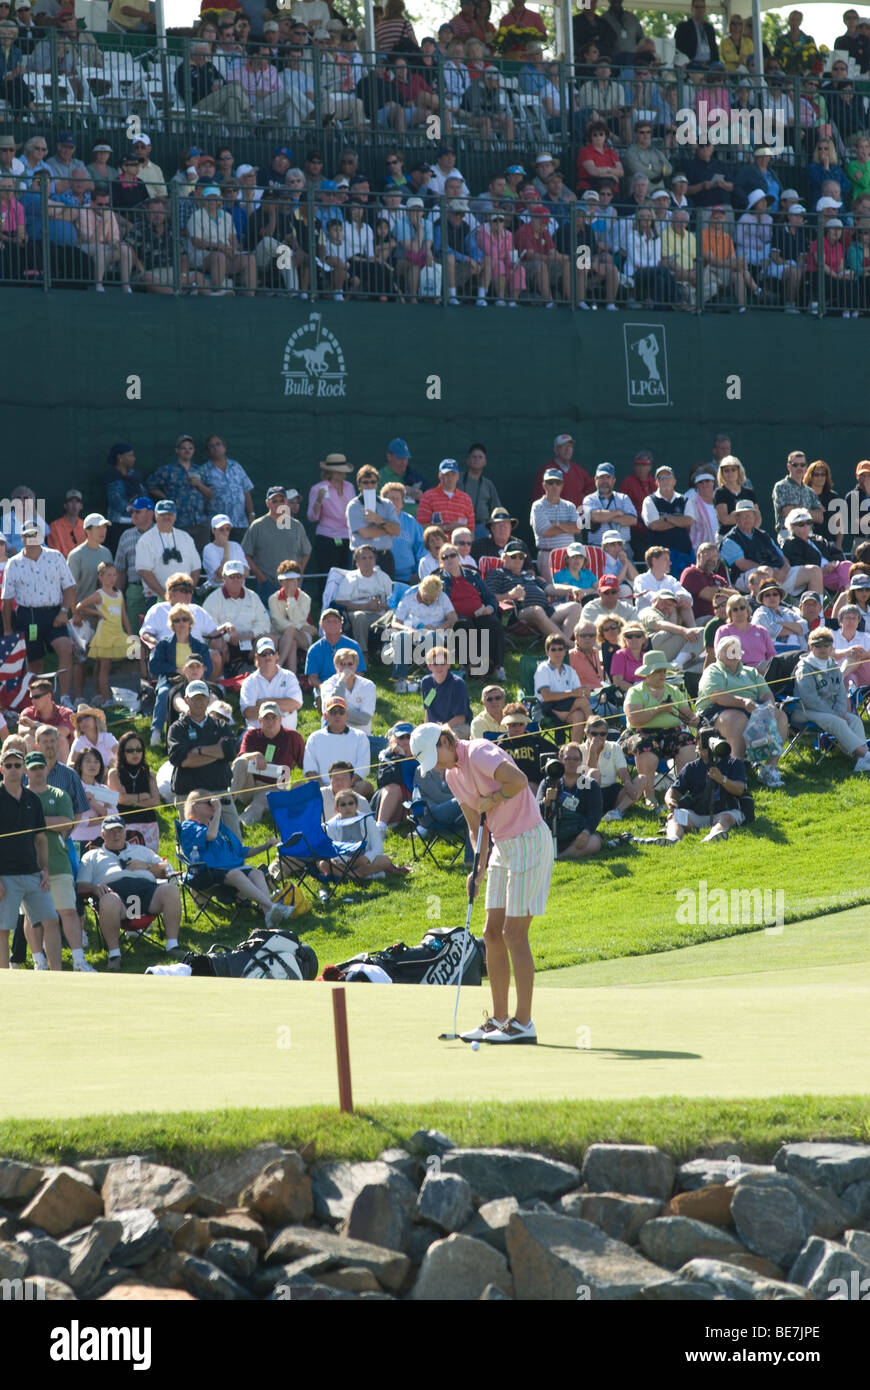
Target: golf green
[76,1044]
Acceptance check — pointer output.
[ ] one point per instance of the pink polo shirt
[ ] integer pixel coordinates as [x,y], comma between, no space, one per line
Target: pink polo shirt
[333,519]
[473,778]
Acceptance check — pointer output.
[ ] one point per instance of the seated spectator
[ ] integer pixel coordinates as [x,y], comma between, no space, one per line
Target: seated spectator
[703,580]
[784,624]
[756,642]
[820,687]
[439,806]
[341,777]
[805,547]
[585,658]
[728,694]
[132,780]
[491,712]
[201,750]
[349,826]
[217,856]
[754,581]
[607,634]
[572,806]
[617,562]
[115,873]
[58,811]
[530,596]
[609,601]
[476,611]
[597,160]
[706,793]
[529,748]
[358,693]
[270,682]
[90,768]
[337,741]
[500,526]
[731,488]
[434,537]
[858,593]
[91,733]
[603,761]
[363,593]
[659,720]
[395,776]
[239,617]
[167,662]
[219,550]
[444,694]
[658,579]
[445,505]
[746,545]
[289,608]
[41,711]
[426,609]
[574,577]
[633,642]
[320,658]
[267,757]
[547,268]
[851,647]
[156,626]
[558,686]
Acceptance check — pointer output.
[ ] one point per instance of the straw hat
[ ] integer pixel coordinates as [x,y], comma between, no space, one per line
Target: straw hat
[84,711]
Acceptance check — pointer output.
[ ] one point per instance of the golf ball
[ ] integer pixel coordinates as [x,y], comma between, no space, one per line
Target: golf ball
[475,1046]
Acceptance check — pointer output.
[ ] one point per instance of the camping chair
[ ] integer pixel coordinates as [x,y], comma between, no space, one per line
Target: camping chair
[595,560]
[823,743]
[298,816]
[428,834]
[486,564]
[133,929]
[202,898]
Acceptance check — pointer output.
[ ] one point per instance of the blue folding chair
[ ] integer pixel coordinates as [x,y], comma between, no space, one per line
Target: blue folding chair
[298,816]
[823,743]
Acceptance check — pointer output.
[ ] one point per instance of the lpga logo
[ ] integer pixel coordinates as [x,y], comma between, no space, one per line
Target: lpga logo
[464,647]
[646,364]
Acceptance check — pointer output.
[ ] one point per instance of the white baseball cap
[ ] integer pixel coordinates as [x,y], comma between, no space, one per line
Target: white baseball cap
[220,520]
[424,745]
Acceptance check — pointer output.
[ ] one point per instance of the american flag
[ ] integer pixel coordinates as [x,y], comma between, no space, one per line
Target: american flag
[14,676]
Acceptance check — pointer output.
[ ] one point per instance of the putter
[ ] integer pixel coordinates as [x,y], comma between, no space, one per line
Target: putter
[450,1037]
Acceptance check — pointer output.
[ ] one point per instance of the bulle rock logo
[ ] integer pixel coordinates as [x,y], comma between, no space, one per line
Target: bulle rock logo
[314,362]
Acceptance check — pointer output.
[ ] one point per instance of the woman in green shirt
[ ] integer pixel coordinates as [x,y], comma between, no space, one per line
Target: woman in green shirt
[657,715]
[728,693]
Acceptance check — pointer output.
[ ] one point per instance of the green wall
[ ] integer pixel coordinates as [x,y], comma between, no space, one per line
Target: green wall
[512,379]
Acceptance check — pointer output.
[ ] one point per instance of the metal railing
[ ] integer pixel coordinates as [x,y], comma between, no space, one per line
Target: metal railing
[327,245]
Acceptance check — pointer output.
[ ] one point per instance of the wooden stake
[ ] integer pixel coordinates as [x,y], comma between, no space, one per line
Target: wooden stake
[342,1051]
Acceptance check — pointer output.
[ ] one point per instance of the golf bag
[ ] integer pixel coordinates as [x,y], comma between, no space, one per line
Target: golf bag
[435,961]
[266,955]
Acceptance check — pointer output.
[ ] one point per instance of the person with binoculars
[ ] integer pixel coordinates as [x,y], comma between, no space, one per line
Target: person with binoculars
[164,550]
[709,791]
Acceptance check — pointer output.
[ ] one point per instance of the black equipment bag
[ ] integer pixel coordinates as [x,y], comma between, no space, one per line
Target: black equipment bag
[266,955]
[435,961]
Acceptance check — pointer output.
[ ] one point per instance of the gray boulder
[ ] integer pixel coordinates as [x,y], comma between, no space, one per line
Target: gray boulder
[674,1240]
[18,1181]
[390,1267]
[66,1200]
[490,1222]
[445,1202]
[639,1169]
[859,1241]
[557,1258]
[48,1258]
[704,1172]
[619,1216]
[495,1173]
[855,1200]
[204,1280]
[430,1141]
[230,1176]
[90,1250]
[235,1257]
[335,1186]
[775,1214]
[740,1284]
[133,1182]
[460,1268]
[825,1165]
[831,1271]
[142,1235]
[281,1193]
[14,1260]
[382,1213]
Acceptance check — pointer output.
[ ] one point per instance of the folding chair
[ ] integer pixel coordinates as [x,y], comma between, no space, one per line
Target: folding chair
[823,743]
[133,929]
[298,816]
[428,834]
[595,560]
[486,564]
[202,898]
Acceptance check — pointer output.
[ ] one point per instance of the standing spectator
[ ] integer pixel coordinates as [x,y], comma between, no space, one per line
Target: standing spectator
[701,510]
[637,486]
[554,521]
[408,548]
[576,482]
[24,862]
[85,560]
[273,537]
[181,481]
[67,531]
[201,752]
[328,501]
[38,596]
[58,810]
[270,682]
[231,488]
[165,549]
[111,641]
[267,757]
[664,513]
[129,579]
[122,484]
[481,490]
[445,505]
[792,492]
[397,468]
[373,520]
[604,509]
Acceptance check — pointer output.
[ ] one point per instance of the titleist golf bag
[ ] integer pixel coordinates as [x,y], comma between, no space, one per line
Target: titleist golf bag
[266,955]
[435,961]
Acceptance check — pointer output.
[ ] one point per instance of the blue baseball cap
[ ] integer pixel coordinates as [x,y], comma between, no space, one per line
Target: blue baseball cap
[66,137]
[402,730]
[448,466]
[328,186]
[142,504]
[399,449]
[605,468]
[515,169]
[286,151]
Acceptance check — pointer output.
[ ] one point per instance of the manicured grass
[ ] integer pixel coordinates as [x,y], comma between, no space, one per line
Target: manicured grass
[753,1130]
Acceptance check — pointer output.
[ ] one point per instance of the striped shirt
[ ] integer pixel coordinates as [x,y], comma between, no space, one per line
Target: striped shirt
[455,510]
[546,514]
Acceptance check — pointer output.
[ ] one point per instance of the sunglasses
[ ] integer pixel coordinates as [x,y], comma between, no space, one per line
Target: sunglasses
[176,621]
[609,627]
[135,748]
[492,699]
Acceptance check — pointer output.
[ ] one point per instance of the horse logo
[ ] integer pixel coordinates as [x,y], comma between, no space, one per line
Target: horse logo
[314,362]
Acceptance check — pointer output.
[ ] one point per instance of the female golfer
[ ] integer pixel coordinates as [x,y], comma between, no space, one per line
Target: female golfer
[485,781]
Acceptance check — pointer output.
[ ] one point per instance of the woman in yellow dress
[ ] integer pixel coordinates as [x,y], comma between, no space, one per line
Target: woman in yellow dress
[111,641]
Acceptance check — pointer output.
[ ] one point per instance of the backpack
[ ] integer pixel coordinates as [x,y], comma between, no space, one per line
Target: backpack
[435,961]
[266,955]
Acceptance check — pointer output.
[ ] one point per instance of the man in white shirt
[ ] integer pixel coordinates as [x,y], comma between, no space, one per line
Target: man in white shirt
[363,592]
[270,682]
[359,694]
[699,506]
[605,509]
[39,593]
[314,14]
[338,743]
[164,550]
[238,612]
[445,168]
[658,577]
[128,881]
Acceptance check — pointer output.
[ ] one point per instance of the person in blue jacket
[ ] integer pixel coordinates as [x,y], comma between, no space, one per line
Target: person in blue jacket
[166,662]
[217,857]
